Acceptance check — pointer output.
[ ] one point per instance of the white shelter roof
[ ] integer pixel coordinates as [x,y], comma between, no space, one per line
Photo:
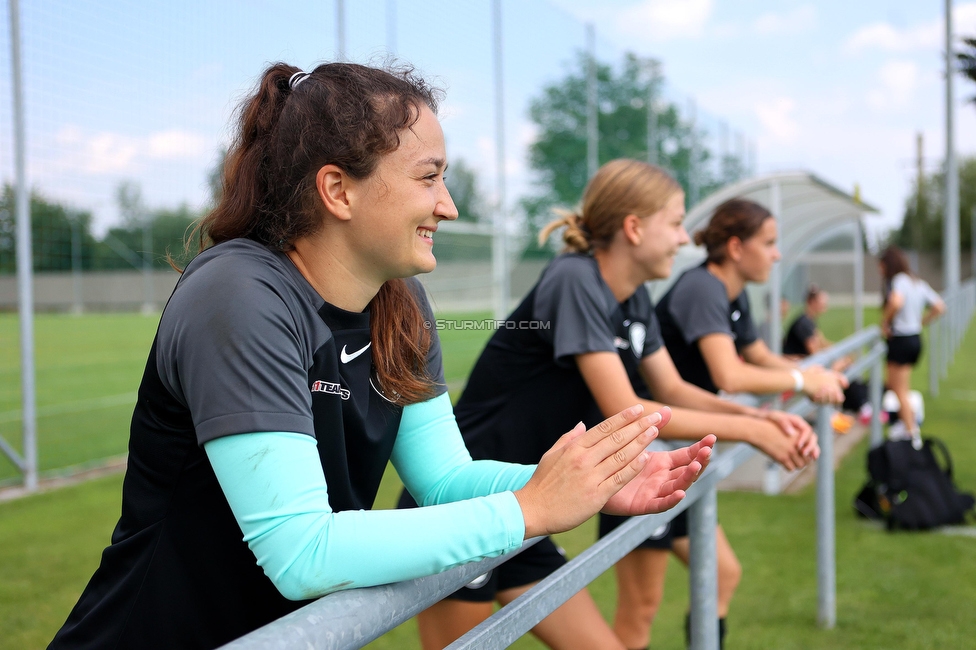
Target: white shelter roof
[810,208]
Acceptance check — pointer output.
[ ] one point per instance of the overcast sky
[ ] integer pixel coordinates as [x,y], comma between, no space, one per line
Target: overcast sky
[144,91]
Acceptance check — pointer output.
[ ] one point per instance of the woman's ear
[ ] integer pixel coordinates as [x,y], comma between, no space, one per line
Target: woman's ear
[733,248]
[633,229]
[333,186]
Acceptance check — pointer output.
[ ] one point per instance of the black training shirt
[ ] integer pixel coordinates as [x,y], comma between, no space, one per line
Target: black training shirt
[695,306]
[526,390]
[797,336]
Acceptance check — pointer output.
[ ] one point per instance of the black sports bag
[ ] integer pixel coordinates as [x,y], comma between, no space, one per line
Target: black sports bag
[910,488]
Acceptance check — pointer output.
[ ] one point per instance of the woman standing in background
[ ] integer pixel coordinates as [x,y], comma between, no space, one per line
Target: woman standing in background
[909,305]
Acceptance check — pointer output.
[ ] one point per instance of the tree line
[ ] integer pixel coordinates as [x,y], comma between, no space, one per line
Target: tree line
[921,227]
[62,238]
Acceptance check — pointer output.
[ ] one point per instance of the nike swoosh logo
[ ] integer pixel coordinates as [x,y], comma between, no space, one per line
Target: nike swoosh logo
[346,358]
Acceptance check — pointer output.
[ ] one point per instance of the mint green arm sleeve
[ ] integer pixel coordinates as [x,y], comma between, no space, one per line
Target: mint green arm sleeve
[282,505]
[434,465]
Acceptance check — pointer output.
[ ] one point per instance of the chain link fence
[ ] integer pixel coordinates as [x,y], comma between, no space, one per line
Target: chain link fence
[126,124]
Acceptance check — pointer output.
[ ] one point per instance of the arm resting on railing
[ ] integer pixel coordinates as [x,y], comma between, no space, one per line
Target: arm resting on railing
[435,466]
[307,550]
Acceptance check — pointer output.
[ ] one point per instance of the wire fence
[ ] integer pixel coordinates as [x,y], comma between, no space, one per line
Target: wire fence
[127,112]
[125,125]
[946,333]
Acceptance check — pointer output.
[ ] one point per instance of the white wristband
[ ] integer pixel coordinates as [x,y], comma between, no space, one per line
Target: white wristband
[797,380]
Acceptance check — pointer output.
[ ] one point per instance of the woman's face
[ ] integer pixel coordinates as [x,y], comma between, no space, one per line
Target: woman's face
[759,253]
[819,303]
[402,203]
[664,233]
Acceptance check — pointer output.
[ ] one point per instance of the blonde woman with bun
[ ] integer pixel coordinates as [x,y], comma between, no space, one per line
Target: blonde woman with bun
[586,338]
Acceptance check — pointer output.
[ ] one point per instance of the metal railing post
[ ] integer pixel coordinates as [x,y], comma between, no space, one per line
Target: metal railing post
[25,265]
[960,317]
[960,320]
[874,394]
[703,572]
[826,557]
[954,321]
[951,322]
[946,333]
[934,359]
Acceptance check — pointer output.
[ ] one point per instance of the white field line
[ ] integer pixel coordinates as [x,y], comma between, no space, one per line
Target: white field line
[963,395]
[961,531]
[952,531]
[76,475]
[78,406]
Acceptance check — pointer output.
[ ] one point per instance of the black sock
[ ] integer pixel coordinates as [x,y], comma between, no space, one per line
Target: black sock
[721,631]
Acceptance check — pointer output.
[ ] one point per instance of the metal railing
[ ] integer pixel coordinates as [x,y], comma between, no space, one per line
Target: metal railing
[351,619]
[945,334]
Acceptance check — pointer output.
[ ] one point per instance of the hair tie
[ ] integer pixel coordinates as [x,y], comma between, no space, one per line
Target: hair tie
[298,78]
[581,225]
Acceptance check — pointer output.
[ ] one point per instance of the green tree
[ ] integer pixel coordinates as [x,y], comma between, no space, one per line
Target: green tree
[623,96]
[128,195]
[472,206]
[52,227]
[462,183]
[967,61]
[123,246]
[921,228]
[215,177]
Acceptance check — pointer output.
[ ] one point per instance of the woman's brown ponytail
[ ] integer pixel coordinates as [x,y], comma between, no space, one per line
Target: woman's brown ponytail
[735,218]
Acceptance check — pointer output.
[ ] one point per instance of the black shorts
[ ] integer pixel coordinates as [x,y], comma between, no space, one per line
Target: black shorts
[531,565]
[661,538]
[904,350]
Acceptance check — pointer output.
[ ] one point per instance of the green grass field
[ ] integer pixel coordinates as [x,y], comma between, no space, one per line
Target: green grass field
[87,371]
[894,590]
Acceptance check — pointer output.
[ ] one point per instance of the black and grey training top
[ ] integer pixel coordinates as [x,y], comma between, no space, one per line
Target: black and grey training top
[245,344]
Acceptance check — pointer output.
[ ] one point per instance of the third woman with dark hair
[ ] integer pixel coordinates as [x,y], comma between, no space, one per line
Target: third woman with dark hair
[707,325]
[706,318]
